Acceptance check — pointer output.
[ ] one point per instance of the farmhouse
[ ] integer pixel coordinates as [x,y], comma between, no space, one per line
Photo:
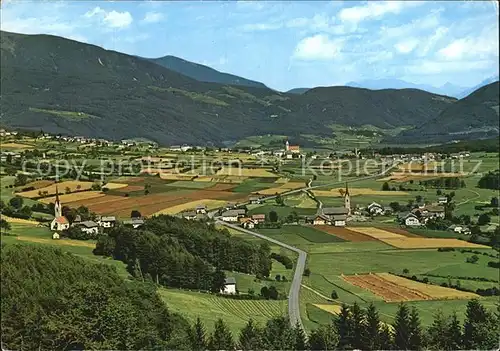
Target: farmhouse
[442,200]
[134,222]
[230,216]
[189,215]
[409,219]
[59,223]
[459,229]
[106,221]
[254,200]
[229,286]
[259,218]
[336,216]
[201,209]
[320,219]
[89,227]
[247,222]
[375,209]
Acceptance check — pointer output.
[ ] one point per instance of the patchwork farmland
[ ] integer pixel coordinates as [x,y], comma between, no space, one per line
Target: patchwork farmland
[405,242]
[396,289]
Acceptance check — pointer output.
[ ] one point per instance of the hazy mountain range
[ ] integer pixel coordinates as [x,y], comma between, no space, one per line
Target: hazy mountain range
[64,86]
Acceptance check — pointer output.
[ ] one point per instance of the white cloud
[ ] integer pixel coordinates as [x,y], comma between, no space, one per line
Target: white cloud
[375,9]
[112,19]
[256,27]
[440,67]
[407,46]
[481,46]
[153,17]
[318,47]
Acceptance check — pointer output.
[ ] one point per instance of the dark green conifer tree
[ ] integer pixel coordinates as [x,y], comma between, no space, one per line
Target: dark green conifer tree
[221,338]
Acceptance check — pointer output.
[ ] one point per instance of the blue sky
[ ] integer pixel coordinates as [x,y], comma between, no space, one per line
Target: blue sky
[286,44]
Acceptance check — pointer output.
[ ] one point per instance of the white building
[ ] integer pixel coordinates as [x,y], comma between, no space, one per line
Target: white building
[59,223]
[106,221]
[230,216]
[89,227]
[229,286]
[375,209]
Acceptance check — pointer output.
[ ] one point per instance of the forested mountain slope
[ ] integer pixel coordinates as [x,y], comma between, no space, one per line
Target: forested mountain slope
[64,86]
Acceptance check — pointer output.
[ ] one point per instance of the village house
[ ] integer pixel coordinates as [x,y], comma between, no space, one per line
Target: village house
[202,209]
[375,209]
[460,229]
[230,206]
[247,223]
[106,221]
[320,219]
[254,200]
[335,216]
[443,200]
[409,219]
[259,218]
[230,216]
[229,286]
[189,215]
[134,222]
[89,227]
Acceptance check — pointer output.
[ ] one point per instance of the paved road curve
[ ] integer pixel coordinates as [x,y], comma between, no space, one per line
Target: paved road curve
[293,295]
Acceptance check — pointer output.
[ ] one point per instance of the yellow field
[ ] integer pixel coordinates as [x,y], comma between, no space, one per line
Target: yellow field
[429,243]
[19,220]
[281,189]
[416,167]
[167,176]
[357,191]
[115,185]
[66,198]
[220,179]
[15,146]
[64,242]
[37,184]
[403,242]
[434,291]
[51,189]
[405,177]
[245,172]
[377,233]
[333,309]
[211,204]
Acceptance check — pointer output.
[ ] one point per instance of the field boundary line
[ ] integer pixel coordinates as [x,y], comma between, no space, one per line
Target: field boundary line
[316,292]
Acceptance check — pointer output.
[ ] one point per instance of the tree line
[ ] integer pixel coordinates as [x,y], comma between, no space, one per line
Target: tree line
[490,180]
[186,254]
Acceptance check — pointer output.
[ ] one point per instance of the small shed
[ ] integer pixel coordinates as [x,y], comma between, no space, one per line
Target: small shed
[55,236]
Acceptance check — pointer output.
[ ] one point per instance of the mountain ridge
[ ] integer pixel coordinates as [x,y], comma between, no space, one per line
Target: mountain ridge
[63,86]
[203,73]
[473,117]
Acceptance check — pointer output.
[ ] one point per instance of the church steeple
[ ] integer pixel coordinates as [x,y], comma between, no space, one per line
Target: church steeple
[57,205]
[347,200]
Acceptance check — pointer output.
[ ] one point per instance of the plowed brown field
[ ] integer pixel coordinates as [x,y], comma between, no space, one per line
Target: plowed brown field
[149,204]
[345,234]
[396,289]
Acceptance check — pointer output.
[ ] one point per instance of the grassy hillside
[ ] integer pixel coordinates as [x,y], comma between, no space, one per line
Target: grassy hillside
[472,117]
[203,73]
[63,86]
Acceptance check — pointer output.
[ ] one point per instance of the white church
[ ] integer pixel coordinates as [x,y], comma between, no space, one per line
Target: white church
[59,223]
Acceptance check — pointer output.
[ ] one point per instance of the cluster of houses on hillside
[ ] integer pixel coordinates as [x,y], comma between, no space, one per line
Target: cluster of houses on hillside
[92,227]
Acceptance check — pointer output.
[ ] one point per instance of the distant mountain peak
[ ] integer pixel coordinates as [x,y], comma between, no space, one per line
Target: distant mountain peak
[203,73]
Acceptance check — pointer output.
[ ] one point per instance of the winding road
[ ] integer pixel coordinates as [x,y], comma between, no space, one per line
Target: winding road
[293,295]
